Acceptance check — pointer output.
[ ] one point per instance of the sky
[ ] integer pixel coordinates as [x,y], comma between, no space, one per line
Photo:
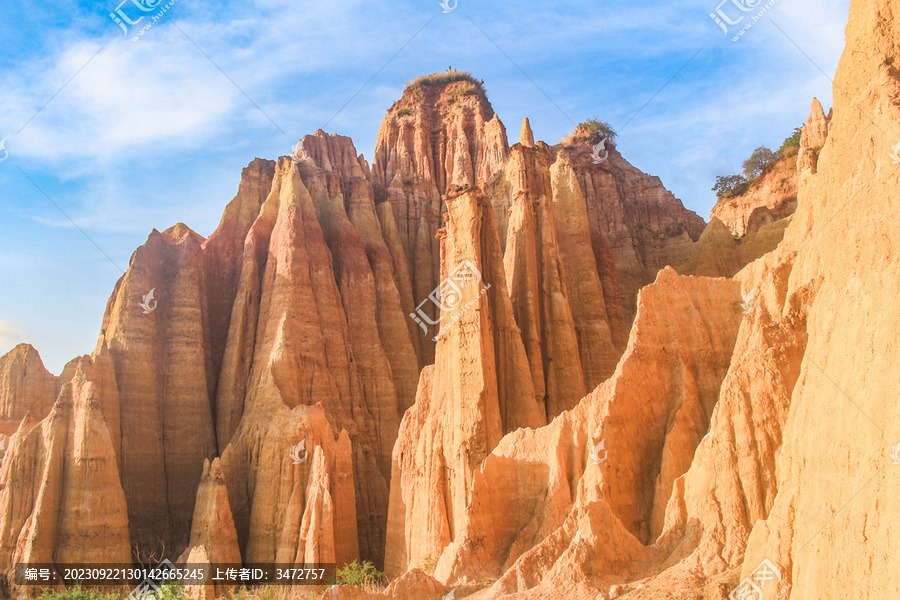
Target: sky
[109,131]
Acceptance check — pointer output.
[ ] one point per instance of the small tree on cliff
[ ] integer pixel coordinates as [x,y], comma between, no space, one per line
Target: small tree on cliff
[597,130]
[730,185]
[792,143]
[760,160]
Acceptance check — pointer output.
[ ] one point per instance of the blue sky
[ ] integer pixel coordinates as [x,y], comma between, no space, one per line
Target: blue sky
[126,136]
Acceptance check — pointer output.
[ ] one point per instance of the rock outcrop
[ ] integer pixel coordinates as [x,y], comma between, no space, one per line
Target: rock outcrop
[293,344]
[416,584]
[719,254]
[26,388]
[644,225]
[61,498]
[478,389]
[437,135]
[812,139]
[213,536]
[785,458]
[564,305]
[267,394]
[770,198]
[596,480]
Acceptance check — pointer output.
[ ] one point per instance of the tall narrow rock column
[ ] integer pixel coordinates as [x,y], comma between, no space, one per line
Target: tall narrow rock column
[478,389]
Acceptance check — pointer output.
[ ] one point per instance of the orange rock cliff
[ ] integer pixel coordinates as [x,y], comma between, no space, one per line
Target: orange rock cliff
[496,370]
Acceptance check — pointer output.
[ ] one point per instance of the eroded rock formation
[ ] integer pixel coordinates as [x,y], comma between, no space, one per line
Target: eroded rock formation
[61,497]
[478,389]
[783,454]
[771,198]
[644,225]
[282,396]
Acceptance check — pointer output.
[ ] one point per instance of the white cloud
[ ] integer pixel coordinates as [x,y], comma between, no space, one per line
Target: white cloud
[10,336]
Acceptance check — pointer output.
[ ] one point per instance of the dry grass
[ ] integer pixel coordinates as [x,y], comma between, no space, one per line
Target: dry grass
[279,592]
[449,76]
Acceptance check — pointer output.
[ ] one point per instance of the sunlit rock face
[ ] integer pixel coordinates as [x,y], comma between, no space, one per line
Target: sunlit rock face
[511,371]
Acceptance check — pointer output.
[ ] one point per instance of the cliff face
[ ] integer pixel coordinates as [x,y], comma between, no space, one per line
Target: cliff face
[594,482]
[644,225]
[564,304]
[771,198]
[446,134]
[305,335]
[61,498]
[840,245]
[778,445]
[434,360]
[434,137]
[478,389]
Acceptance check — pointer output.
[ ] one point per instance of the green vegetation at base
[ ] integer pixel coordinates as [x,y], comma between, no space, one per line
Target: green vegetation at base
[173,591]
[78,593]
[359,574]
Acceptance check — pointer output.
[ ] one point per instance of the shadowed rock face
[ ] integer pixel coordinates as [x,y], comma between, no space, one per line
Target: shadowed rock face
[475,355]
[644,226]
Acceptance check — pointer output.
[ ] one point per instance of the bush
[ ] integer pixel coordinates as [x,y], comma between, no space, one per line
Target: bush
[359,574]
[597,130]
[429,564]
[759,162]
[172,591]
[730,185]
[792,143]
[404,112]
[449,76]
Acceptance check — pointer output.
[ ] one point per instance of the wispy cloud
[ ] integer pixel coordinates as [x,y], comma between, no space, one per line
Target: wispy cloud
[10,336]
